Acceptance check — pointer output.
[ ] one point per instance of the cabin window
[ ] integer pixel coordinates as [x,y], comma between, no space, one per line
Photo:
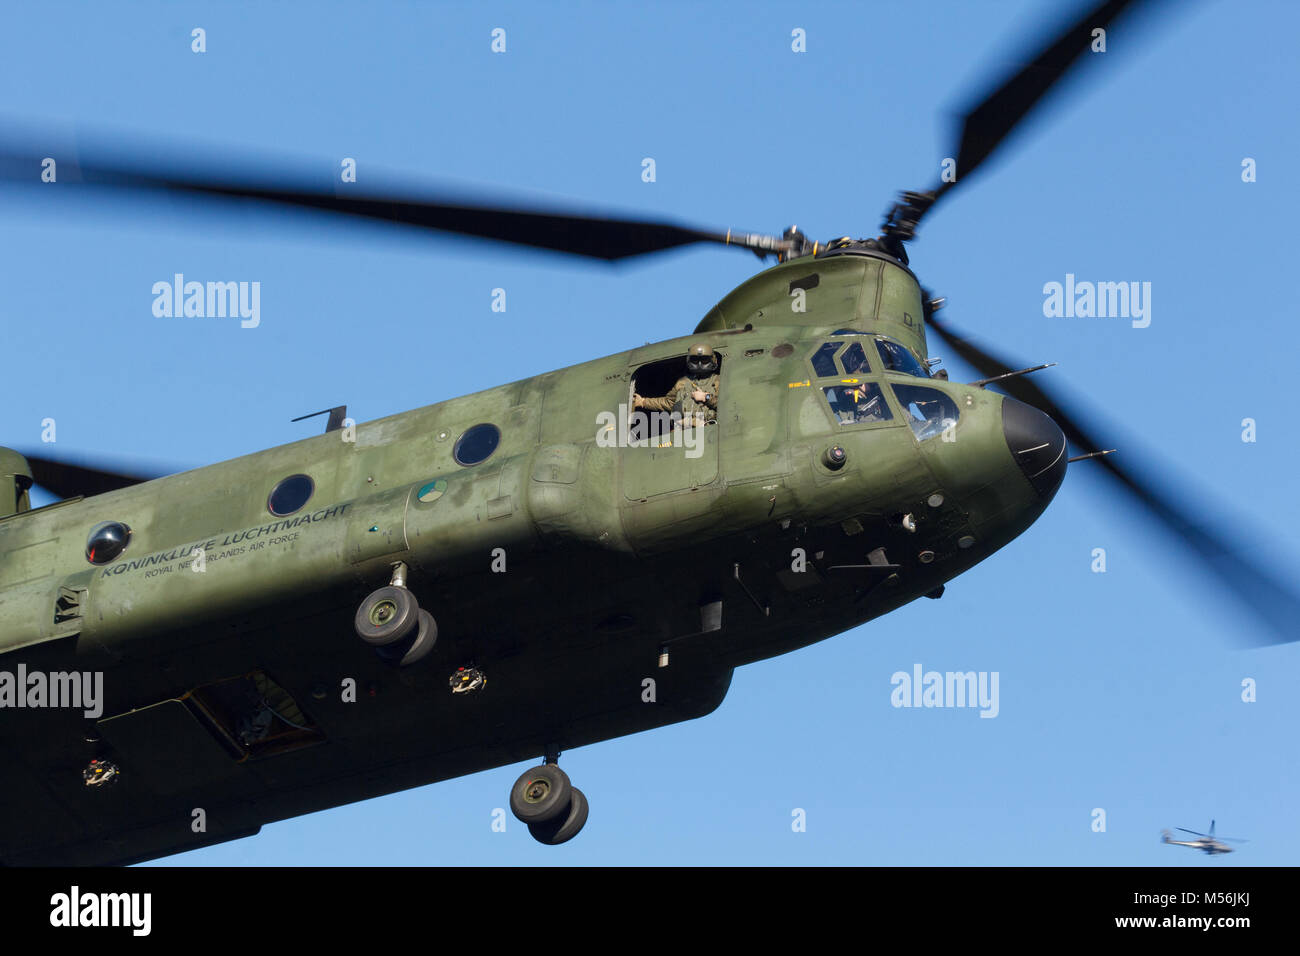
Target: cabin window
[823,360]
[290,495]
[477,444]
[858,403]
[899,359]
[929,411]
[107,540]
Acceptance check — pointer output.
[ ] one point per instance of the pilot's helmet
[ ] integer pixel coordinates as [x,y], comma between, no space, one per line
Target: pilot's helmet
[700,360]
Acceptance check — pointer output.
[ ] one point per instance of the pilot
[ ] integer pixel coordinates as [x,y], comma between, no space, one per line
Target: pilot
[696,393]
[868,405]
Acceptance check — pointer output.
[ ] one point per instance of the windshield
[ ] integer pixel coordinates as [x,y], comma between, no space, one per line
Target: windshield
[929,411]
[856,403]
[899,359]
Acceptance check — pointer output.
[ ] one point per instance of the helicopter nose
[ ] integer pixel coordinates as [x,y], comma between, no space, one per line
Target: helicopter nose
[1037,444]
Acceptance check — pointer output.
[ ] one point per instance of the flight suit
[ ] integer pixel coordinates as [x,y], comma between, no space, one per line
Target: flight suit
[680,398]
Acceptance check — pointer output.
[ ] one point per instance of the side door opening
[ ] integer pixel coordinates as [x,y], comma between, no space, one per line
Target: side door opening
[663,454]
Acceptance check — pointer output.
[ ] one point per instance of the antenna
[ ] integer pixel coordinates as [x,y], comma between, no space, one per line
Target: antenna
[981,382]
[336,416]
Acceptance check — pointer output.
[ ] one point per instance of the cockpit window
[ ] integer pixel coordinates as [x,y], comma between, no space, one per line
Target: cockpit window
[848,332]
[858,403]
[823,360]
[929,411]
[899,359]
[854,359]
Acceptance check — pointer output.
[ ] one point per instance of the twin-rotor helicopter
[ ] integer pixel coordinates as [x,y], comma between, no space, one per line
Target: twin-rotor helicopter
[838,477]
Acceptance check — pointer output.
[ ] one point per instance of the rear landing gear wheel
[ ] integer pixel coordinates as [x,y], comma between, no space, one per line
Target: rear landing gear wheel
[415,646]
[541,794]
[565,827]
[386,616]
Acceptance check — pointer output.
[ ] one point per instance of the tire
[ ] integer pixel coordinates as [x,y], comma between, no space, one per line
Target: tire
[386,616]
[563,828]
[415,646]
[541,794]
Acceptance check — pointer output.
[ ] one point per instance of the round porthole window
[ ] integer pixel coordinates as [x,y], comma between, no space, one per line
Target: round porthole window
[476,445]
[290,495]
[107,540]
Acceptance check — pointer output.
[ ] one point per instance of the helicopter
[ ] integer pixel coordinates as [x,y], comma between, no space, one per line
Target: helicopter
[1207,842]
[914,545]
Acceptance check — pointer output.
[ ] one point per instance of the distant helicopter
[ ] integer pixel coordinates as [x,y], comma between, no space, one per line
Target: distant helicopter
[1207,843]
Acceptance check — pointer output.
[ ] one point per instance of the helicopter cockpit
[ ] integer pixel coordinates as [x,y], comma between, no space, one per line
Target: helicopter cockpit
[928,411]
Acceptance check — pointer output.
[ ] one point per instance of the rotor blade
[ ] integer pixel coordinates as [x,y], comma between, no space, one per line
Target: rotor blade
[1274,602]
[594,236]
[987,124]
[1185,830]
[68,480]
[993,117]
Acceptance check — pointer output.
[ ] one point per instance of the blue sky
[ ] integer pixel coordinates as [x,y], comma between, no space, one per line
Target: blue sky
[1119,691]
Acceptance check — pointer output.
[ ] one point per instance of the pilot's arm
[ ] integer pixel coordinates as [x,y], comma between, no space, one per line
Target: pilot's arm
[666,402]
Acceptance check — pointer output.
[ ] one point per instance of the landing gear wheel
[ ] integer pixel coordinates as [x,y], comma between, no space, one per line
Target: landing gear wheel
[565,827]
[386,616]
[541,794]
[415,646]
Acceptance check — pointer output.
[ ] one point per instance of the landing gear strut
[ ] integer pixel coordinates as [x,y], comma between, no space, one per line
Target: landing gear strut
[392,622]
[554,809]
